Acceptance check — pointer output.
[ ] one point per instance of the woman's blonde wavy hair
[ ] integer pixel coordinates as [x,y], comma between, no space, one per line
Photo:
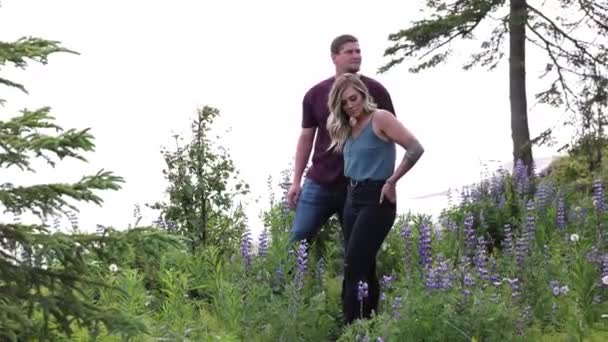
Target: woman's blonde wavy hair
[338,122]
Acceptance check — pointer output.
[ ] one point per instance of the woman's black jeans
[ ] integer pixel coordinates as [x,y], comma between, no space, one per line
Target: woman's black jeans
[366,225]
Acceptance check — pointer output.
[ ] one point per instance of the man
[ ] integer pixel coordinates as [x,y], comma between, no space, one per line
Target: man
[324,190]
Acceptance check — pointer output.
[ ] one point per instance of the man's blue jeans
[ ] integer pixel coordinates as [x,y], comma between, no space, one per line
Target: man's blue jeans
[316,204]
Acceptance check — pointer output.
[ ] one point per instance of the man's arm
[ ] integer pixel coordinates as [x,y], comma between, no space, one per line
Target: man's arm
[306,138]
[303,148]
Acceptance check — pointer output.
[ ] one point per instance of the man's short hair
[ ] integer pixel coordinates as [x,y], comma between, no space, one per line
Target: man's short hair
[337,43]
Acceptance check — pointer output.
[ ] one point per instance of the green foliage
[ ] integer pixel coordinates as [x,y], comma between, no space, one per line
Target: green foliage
[586,161]
[203,187]
[577,66]
[516,259]
[25,49]
[43,275]
[448,22]
[550,288]
[542,280]
[570,59]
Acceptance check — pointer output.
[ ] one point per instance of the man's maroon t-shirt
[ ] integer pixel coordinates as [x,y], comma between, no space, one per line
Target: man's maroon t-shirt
[327,166]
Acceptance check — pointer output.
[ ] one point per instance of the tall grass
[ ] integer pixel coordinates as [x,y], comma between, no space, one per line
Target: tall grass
[516,259]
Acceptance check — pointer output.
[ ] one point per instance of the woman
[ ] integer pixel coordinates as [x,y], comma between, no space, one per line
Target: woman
[366,136]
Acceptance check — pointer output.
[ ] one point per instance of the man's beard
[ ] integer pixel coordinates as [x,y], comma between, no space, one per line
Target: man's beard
[353,69]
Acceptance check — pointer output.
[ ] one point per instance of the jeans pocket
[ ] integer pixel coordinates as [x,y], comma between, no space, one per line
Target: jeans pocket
[366,195]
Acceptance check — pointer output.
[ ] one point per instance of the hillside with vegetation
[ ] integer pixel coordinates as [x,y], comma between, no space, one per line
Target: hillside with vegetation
[523,256]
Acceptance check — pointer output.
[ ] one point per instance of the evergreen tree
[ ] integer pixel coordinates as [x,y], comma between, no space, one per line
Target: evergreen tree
[43,274]
[571,33]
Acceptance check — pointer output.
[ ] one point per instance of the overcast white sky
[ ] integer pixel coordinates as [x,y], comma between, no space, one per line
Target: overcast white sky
[146,66]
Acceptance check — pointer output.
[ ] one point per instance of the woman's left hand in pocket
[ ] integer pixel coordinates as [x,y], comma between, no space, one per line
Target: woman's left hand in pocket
[389,192]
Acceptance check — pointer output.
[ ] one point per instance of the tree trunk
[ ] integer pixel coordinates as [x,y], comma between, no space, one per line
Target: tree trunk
[522,148]
[201,190]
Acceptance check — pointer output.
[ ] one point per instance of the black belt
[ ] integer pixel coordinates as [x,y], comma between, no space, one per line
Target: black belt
[353,183]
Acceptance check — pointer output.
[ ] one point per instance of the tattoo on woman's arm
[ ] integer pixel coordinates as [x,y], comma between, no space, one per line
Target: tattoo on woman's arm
[413,153]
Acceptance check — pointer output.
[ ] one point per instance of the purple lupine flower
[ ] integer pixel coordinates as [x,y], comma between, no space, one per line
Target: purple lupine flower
[450,197]
[285,185]
[480,259]
[600,260]
[494,276]
[594,256]
[508,245]
[468,282]
[137,212]
[469,234]
[521,250]
[263,243]
[465,196]
[397,303]
[362,290]
[524,319]
[604,273]
[561,215]
[278,278]
[386,283]
[598,197]
[533,169]
[515,288]
[406,234]
[522,181]
[502,201]
[159,223]
[452,226]
[301,263]
[544,194]
[430,277]
[476,194]
[449,225]
[443,277]
[557,289]
[497,186]
[530,227]
[246,247]
[319,270]
[270,190]
[171,225]
[424,245]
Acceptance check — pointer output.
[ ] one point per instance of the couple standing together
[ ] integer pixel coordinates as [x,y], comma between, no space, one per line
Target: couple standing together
[352,122]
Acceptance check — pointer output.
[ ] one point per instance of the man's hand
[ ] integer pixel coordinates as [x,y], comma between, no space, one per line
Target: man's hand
[293,194]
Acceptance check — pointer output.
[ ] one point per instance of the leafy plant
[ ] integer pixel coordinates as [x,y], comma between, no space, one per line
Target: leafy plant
[203,187]
[43,274]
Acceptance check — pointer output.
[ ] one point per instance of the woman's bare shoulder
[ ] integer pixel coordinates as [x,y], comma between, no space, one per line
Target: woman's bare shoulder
[383,116]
